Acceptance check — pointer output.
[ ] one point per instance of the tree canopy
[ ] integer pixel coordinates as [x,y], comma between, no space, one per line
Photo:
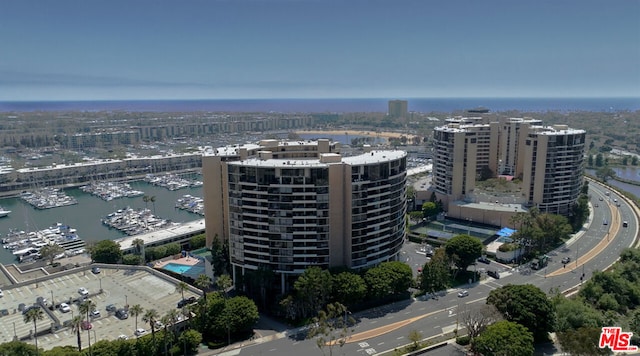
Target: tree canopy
[504,338]
[106,251]
[464,250]
[527,305]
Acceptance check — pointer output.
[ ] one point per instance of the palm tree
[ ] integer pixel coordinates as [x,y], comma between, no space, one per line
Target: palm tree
[152,199]
[87,307]
[173,319]
[224,282]
[138,244]
[150,316]
[203,282]
[76,326]
[165,320]
[33,315]
[181,287]
[136,310]
[145,199]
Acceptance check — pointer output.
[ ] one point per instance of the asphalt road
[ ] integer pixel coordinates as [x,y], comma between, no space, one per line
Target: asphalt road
[388,327]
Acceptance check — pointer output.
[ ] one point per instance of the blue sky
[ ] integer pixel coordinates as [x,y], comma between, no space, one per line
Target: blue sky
[220,49]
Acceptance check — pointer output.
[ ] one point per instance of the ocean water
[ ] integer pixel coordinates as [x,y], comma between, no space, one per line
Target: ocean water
[424,105]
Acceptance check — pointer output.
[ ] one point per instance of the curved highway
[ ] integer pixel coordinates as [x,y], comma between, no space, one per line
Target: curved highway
[382,329]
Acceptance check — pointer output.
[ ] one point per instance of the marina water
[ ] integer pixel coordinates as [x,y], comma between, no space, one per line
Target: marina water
[87,214]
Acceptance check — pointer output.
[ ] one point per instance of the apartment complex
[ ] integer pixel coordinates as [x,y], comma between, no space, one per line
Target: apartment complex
[549,160]
[285,206]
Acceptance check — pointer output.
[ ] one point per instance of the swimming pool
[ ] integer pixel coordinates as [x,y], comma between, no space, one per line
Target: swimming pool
[177,268]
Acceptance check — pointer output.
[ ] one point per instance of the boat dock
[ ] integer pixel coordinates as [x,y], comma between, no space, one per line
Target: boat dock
[47,198]
[191,204]
[108,191]
[134,222]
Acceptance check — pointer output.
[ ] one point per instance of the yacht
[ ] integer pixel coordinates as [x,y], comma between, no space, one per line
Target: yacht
[4,212]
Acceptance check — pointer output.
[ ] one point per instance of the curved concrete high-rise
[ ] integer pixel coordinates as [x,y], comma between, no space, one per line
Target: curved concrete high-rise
[285,206]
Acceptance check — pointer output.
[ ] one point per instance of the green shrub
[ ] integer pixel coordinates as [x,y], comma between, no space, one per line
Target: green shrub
[463,340]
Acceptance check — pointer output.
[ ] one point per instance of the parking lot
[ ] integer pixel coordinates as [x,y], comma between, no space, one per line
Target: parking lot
[116,286]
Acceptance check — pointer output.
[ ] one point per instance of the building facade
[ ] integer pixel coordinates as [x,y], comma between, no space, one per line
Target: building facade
[549,160]
[398,108]
[285,206]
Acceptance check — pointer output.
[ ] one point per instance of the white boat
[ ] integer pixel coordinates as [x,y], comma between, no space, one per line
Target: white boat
[4,212]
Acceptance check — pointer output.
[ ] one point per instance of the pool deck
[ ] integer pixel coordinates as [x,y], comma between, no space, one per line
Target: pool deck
[186,261]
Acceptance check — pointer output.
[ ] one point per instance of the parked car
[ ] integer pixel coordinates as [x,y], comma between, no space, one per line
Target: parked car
[111,308]
[566,260]
[484,259]
[86,325]
[83,291]
[463,293]
[140,332]
[122,314]
[95,313]
[1,293]
[65,308]
[493,274]
[123,337]
[95,270]
[187,301]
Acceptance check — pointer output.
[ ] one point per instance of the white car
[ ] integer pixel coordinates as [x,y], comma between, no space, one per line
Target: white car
[83,291]
[65,308]
[463,293]
[95,314]
[123,337]
[140,332]
[1,293]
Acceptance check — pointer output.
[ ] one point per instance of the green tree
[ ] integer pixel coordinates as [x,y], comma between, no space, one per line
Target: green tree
[527,305]
[106,251]
[136,310]
[198,241]
[312,289]
[181,287]
[204,283]
[242,314]
[599,160]
[131,260]
[388,278]
[18,348]
[429,209]
[34,315]
[604,173]
[349,288]
[59,351]
[464,250]
[49,252]
[590,160]
[138,245]
[191,340]
[573,314]
[331,327]
[504,338]
[436,273]
[582,342]
[86,308]
[220,256]
[224,282]
[553,230]
[415,337]
[172,249]
[150,317]
[634,322]
[76,326]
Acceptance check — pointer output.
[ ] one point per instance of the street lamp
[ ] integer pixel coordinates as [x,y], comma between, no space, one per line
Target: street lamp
[126,300]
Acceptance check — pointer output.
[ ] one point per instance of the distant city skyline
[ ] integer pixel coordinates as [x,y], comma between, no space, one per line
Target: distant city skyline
[245,49]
